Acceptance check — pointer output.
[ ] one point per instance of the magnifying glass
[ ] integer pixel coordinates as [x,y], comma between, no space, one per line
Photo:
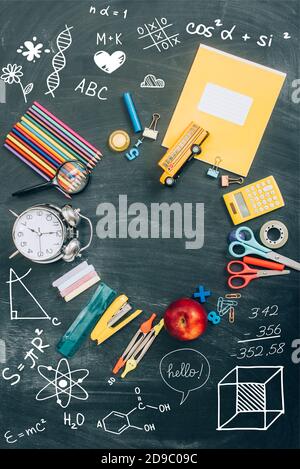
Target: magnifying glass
[71,177]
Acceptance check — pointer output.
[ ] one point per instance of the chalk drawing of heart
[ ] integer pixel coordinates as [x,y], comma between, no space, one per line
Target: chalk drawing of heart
[109,63]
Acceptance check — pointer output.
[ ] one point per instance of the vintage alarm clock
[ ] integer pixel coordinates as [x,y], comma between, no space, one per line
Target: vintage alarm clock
[46,233]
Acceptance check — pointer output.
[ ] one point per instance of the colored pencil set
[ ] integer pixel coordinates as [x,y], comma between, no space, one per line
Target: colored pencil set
[44,143]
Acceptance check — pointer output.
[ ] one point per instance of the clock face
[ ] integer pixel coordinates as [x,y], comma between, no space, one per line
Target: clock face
[39,234]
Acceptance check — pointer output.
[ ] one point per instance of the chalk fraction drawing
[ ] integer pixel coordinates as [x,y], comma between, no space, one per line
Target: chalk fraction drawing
[157,34]
[31,50]
[12,74]
[109,62]
[62,383]
[15,314]
[63,42]
[250,398]
[150,81]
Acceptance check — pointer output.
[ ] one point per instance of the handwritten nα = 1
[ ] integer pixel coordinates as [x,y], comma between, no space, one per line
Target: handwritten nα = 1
[156,35]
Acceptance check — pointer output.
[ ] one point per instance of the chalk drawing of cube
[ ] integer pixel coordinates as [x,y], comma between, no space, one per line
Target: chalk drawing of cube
[250,398]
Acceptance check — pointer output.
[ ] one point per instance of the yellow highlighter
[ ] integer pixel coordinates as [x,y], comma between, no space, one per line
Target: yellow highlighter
[254,200]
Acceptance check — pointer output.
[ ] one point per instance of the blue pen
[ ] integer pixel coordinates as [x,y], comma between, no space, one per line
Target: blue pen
[135,121]
[86,320]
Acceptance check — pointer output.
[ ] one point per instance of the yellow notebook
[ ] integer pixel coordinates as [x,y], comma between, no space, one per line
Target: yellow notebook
[230,97]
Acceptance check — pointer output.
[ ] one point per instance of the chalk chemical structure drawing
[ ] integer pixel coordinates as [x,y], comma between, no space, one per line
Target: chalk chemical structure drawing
[156,35]
[109,62]
[14,313]
[38,427]
[63,42]
[184,370]
[117,422]
[150,81]
[31,50]
[66,383]
[12,74]
[250,398]
[31,355]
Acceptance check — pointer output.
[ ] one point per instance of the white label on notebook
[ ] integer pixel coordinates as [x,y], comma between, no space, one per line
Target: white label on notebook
[225,104]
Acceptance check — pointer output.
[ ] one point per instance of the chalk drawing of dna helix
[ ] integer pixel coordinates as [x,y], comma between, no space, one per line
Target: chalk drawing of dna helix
[63,42]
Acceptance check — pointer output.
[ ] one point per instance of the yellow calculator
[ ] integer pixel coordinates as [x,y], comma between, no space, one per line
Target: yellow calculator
[254,200]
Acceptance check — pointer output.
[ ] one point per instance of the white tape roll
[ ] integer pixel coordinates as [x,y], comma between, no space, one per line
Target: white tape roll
[282,238]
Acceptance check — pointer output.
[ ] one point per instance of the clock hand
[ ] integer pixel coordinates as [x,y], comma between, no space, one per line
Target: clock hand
[48,232]
[32,230]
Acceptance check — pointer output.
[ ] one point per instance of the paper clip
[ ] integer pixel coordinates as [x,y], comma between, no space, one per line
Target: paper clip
[223,305]
[233,295]
[226,180]
[231,315]
[214,170]
[151,132]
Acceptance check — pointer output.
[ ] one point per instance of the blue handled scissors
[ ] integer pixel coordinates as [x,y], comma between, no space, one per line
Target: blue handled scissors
[246,244]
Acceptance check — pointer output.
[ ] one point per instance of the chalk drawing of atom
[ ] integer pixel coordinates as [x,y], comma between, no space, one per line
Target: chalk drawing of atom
[62,383]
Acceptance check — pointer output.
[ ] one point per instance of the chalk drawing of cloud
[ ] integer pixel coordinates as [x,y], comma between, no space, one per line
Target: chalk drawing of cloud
[150,81]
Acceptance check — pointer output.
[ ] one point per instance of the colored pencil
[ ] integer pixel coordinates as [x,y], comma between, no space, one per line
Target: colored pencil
[90,153]
[43,142]
[50,141]
[31,156]
[58,133]
[58,143]
[35,148]
[68,128]
[48,158]
[30,165]
[35,159]
[39,143]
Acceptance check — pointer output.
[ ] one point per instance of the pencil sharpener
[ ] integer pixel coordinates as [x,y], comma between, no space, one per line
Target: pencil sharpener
[214,173]
[150,133]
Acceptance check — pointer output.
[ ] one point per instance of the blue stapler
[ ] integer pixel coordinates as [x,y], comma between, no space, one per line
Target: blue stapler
[86,320]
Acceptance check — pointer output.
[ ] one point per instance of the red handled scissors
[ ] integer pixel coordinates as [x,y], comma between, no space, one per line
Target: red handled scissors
[242,274]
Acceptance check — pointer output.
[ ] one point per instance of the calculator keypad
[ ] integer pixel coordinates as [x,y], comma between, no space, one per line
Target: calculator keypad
[261,196]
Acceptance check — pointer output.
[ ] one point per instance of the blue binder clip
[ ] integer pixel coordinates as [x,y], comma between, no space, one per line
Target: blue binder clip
[86,320]
[214,170]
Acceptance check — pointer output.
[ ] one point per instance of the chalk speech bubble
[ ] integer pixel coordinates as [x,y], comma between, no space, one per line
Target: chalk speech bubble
[184,370]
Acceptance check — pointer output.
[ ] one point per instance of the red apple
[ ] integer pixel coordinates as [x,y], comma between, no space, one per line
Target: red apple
[185,319]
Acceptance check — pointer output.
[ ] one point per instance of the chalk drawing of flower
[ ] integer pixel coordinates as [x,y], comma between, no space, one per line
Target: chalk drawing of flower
[12,74]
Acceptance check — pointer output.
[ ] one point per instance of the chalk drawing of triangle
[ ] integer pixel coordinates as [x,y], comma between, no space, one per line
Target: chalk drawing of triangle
[14,313]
